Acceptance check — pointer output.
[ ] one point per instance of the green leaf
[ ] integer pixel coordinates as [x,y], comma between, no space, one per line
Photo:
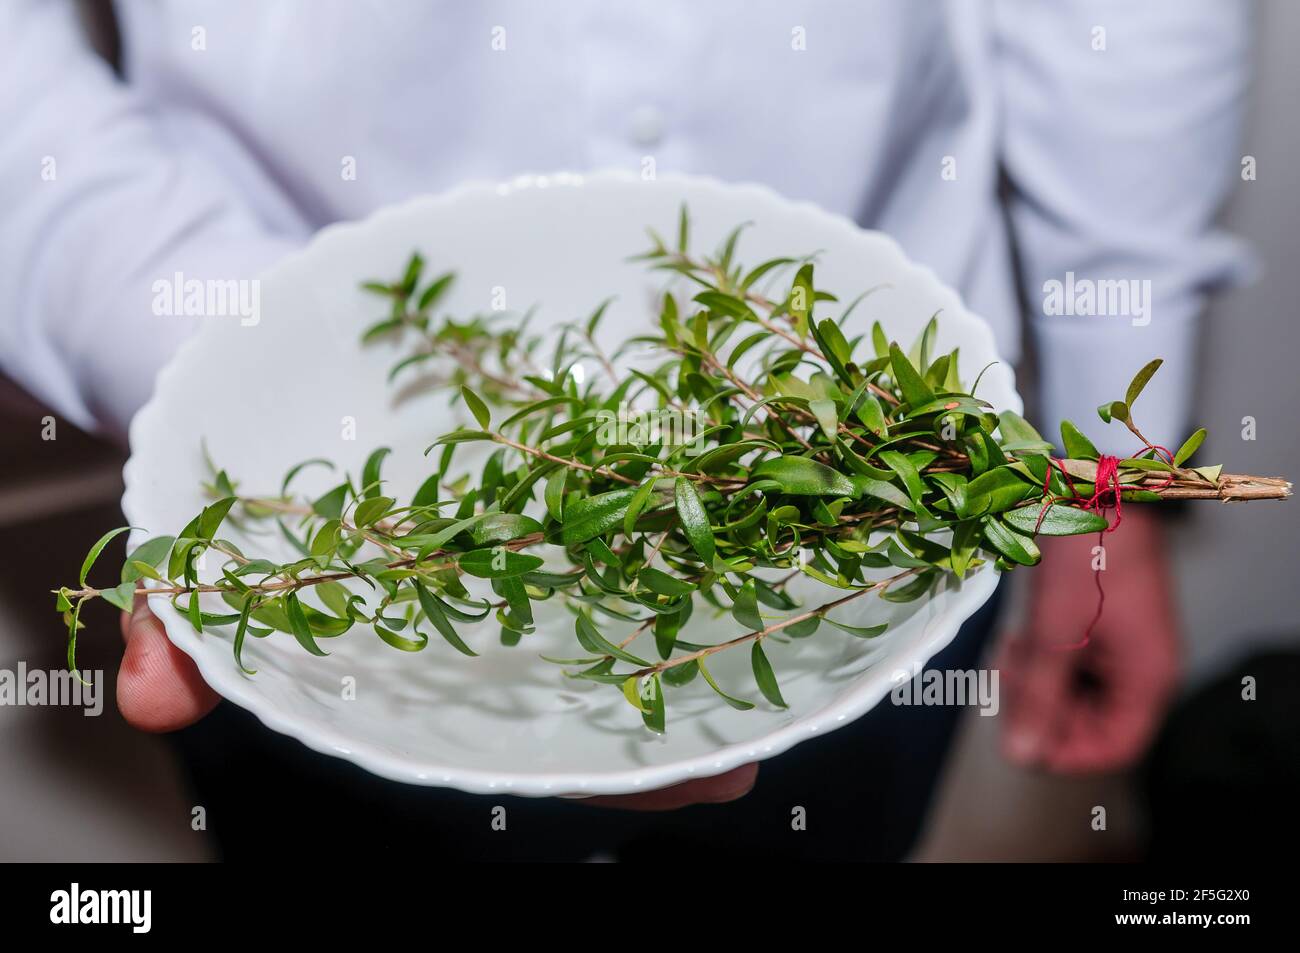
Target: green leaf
[868,411]
[435,291]
[666,627]
[737,703]
[534,407]
[827,416]
[460,436]
[400,642]
[803,629]
[331,504]
[498,563]
[859,631]
[682,674]
[184,551]
[764,676]
[1015,546]
[725,304]
[867,486]
[589,638]
[380,328]
[1140,381]
[965,543]
[554,493]
[594,515]
[653,699]
[594,321]
[327,538]
[427,494]
[1077,446]
[460,615]
[372,510]
[299,625]
[915,390]
[760,270]
[413,270]
[1019,435]
[212,516]
[516,596]
[951,404]
[431,544]
[134,569]
[97,549]
[297,468]
[639,501]
[476,407]
[745,607]
[370,472]
[994,491]
[664,584]
[838,347]
[910,476]
[241,632]
[911,591]
[695,520]
[800,476]
[802,297]
[1060,520]
[739,351]
[1142,463]
[122,596]
[150,554]
[632,692]
[496,528]
[194,613]
[879,340]
[1189,447]
[920,352]
[435,610]
[335,596]
[1116,409]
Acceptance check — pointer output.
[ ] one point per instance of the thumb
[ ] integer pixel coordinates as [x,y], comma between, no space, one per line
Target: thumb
[158,686]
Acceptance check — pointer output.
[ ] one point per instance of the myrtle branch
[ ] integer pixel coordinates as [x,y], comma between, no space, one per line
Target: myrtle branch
[742,441]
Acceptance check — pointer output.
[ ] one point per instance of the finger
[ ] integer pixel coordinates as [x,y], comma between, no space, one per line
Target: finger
[716,790]
[158,686]
[1109,733]
[1118,725]
[1038,688]
[1097,740]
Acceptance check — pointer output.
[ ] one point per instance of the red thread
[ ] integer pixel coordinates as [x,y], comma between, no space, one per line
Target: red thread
[1105,485]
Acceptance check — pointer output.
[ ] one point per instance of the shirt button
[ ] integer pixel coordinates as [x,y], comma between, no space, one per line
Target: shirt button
[647,125]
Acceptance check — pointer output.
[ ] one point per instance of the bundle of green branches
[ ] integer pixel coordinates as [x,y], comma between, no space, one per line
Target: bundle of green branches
[747,442]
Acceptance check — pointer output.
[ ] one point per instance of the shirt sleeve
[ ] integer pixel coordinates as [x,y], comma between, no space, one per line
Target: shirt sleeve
[99,205]
[1119,142]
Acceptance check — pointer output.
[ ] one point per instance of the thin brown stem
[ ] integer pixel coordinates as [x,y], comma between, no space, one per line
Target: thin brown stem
[774,627]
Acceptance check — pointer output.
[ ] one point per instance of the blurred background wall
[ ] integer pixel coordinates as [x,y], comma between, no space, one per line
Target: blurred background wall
[89,788]
[1236,567]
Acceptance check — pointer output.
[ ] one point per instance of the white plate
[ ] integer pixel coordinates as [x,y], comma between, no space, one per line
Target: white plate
[268,396]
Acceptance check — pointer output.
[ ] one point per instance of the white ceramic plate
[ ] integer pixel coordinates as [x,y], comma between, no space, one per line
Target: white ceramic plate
[265,397]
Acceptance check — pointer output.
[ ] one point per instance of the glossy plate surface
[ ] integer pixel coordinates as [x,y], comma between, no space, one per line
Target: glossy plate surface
[298,385]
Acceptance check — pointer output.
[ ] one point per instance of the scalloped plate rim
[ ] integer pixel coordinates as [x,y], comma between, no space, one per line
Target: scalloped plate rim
[854,701]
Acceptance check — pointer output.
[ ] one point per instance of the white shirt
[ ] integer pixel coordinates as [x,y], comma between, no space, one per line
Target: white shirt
[1101,136]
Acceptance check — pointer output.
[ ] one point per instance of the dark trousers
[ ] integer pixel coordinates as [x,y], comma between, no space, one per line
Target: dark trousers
[864,790]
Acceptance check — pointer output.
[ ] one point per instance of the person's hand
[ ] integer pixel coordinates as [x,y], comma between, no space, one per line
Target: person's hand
[1095,708]
[159,689]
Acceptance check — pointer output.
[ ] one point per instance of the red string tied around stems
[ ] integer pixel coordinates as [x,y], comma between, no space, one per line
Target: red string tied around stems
[1106,492]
